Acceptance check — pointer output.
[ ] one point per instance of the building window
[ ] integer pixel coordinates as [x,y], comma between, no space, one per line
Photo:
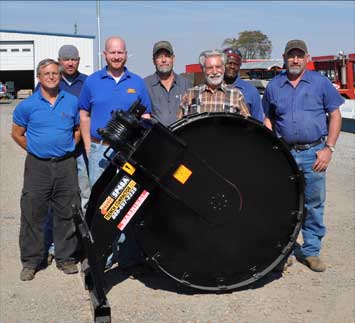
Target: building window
[15,50]
[26,49]
[2,50]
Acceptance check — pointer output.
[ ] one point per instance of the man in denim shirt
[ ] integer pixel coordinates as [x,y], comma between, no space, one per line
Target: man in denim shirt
[296,104]
[165,86]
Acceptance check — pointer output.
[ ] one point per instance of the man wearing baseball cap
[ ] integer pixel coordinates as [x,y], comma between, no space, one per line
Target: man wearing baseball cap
[165,86]
[232,79]
[296,104]
[72,81]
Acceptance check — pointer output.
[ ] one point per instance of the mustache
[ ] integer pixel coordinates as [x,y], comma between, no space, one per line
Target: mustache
[215,79]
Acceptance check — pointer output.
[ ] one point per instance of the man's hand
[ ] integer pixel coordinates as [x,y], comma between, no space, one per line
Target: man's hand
[323,159]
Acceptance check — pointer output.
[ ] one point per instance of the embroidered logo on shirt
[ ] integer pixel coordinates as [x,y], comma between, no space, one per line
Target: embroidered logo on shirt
[131,91]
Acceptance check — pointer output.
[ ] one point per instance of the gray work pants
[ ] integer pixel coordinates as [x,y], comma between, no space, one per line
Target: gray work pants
[53,183]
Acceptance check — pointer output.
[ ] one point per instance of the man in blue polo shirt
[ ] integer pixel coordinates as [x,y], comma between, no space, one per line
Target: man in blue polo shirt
[112,88]
[296,104]
[46,125]
[232,79]
[71,81]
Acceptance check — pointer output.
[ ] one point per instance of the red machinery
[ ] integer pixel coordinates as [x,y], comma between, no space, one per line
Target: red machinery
[339,69]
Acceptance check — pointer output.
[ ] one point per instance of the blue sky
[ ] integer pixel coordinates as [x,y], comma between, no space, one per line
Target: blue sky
[191,26]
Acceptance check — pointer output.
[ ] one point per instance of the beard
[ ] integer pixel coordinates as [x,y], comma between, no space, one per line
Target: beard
[164,69]
[215,79]
[295,70]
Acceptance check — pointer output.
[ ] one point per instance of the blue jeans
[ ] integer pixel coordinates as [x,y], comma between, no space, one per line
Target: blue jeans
[97,162]
[83,178]
[130,254]
[313,229]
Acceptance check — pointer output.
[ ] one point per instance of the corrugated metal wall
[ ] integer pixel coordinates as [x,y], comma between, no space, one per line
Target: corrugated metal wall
[47,46]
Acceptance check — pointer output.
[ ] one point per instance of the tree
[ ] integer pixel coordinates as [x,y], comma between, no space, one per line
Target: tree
[251,43]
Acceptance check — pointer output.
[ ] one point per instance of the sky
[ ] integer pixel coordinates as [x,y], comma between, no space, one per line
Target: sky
[191,26]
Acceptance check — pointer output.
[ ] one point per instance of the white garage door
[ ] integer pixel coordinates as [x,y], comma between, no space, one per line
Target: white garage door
[16,56]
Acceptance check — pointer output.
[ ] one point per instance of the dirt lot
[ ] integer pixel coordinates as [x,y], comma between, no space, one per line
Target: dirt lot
[298,296]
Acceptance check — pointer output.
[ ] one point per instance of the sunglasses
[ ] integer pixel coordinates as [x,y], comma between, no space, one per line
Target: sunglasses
[232,51]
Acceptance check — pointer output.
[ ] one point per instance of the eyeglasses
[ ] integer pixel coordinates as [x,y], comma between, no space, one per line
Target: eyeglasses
[291,57]
[50,74]
[232,51]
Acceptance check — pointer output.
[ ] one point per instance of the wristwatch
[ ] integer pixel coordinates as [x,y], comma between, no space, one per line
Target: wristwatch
[331,148]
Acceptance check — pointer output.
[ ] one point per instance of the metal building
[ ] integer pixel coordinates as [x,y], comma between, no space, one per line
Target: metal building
[20,52]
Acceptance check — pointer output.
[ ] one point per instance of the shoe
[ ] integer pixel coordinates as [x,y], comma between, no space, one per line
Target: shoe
[282,267]
[69,267]
[27,274]
[314,263]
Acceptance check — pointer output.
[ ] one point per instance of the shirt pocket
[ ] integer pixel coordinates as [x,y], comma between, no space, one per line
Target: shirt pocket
[281,105]
[310,102]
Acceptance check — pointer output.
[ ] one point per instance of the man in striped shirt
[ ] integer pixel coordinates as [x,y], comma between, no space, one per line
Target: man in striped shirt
[214,95]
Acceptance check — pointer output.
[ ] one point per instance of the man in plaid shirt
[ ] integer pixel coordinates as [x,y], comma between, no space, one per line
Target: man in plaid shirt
[214,95]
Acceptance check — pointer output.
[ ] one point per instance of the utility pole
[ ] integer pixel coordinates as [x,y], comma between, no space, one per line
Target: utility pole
[98,32]
[75,29]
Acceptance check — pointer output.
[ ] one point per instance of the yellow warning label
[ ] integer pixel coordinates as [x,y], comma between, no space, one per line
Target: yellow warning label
[182,174]
[121,201]
[128,168]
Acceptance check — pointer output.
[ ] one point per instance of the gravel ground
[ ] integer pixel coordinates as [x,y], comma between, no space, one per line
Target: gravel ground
[297,296]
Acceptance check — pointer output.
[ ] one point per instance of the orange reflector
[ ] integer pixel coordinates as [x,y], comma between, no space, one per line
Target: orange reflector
[182,174]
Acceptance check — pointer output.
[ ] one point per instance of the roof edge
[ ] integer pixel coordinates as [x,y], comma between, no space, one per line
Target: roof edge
[45,33]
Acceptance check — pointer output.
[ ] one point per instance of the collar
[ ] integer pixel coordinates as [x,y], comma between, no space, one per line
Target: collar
[223,87]
[79,77]
[305,78]
[61,95]
[156,78]
[104,74]
[238,83]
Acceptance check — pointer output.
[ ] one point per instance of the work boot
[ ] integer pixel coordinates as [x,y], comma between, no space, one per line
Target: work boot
[27,274]
[314,263]
[68,267]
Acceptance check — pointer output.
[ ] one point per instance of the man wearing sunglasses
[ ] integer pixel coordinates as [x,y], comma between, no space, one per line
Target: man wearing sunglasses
[296,104]
[232,79]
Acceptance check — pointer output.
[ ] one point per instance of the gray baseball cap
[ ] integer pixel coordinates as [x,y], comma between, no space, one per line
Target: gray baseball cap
[163,44]
[68,51]
[296,44]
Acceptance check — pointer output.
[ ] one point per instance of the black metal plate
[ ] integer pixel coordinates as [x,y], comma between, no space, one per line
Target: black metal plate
[237,250]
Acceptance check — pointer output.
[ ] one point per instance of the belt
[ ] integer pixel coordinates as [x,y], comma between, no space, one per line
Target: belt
[306,146]
[56,159]
[100,142]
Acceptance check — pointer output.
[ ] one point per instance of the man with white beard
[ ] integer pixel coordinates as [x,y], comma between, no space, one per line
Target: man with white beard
[214,95]
[165,86]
